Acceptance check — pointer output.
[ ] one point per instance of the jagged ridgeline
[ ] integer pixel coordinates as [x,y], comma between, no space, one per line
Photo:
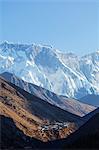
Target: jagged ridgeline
[62,73]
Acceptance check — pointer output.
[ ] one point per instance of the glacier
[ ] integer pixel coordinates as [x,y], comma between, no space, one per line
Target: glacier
[62,73]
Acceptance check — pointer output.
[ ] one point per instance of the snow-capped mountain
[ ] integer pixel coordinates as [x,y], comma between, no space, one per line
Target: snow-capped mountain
[62,73]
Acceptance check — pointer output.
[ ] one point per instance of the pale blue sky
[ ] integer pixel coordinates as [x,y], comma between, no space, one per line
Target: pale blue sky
[69,25]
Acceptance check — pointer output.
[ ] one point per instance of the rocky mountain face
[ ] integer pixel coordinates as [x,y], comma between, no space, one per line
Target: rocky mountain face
[62,73]
[68,104]
[35,117]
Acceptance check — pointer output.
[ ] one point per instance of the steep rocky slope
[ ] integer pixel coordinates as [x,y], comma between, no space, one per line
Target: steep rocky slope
[68,104]
[31,114]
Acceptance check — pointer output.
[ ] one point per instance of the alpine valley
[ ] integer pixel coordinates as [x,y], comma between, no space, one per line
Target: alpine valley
[48,99]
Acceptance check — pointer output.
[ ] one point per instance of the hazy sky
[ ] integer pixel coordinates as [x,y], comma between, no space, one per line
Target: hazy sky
[69,25]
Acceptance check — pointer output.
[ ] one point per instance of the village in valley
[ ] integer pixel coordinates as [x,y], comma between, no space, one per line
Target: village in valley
[54,126]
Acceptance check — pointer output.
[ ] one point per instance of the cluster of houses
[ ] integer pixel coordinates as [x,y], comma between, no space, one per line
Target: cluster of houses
[54,126]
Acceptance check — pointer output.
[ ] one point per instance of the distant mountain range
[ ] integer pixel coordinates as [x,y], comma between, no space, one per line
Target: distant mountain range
[62,73]
[91,99]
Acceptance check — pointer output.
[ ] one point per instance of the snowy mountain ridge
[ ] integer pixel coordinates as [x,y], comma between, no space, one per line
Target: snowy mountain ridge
[62,73]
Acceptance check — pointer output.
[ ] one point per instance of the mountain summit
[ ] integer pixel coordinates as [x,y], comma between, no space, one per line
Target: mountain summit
[62,73]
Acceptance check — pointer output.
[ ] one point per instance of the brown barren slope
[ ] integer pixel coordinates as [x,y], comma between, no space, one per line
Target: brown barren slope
[29,113]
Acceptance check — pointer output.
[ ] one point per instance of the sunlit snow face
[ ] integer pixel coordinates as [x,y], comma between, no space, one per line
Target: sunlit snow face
[64,74]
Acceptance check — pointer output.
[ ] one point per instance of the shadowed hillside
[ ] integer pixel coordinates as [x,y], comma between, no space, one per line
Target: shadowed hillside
[25,118]
[86,137]
[12,137]
[35,117]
